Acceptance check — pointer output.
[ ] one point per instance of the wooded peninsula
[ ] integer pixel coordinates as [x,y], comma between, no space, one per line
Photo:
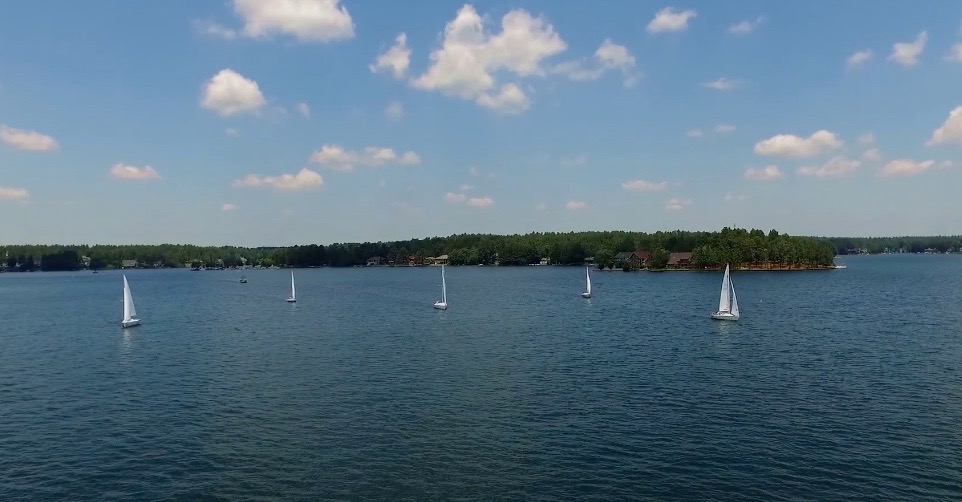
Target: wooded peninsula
[745,249]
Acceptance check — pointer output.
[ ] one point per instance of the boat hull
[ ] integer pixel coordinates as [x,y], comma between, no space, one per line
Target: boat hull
[132,322]
[441,305]
[291,300]
[724,316]
[586,295]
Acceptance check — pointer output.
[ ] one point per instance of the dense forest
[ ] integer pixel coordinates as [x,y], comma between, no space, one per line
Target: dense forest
[873,245]
[738,247]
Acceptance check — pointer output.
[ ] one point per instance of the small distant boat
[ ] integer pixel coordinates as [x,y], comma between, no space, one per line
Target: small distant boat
[96,271]
[727,304]
[587,293]
[443,304]
[293,297]
[243,279]
[839,267]
[129,311]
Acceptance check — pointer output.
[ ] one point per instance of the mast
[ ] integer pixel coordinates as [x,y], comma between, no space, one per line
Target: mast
[293,295]
[444,287]
[724,301]
[127,301]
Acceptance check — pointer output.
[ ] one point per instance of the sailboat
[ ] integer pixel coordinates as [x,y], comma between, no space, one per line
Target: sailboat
[129,310]
[587,293]
[293,297]
[727,304]
[443,304]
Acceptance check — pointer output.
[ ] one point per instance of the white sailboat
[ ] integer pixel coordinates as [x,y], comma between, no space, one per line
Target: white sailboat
[443,304]
[727,303]
[587,293]
[293,297]
[129,311]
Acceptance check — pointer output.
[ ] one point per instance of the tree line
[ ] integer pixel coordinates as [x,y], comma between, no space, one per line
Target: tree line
[873,245]
[709,249]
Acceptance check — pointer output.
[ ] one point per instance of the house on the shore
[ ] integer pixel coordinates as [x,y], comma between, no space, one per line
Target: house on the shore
[437,260]
[375,261]
[632,259]
[128,264]
[679,260]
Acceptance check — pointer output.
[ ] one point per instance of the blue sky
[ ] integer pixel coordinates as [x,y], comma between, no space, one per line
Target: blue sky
[277,122]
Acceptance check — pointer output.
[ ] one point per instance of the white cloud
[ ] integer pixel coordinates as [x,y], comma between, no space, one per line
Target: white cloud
[676,204]
[907,53]
[668,19]
[336,158]
[955,54]
[467,188]
[305,179]
[214,30]
[723,84]
[858,59]
[17,194]
[872,155]
[395,60]
[576,205]
[231,132]
[866,139]
[906,167]
[228,207]
[305,20]
[695,133]
[229,93]
[124,172]
[465,64]
[510,100]
[22,139]
[394,111]
[724,128]
[767,173]
[789,145]
[745,27]
[455,198]
[481,202]
[644,186]
[951,130]
[578,160]
[609,56]
[836,167]
[304,110]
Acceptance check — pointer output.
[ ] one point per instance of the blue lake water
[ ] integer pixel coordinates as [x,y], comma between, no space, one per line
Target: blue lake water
[834,385]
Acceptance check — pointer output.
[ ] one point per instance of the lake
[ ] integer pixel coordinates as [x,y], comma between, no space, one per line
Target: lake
[834,385]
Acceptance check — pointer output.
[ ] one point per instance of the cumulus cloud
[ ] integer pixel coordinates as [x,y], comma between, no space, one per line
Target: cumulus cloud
[906,167]
[228,207]
[955,54]
[866,139]
[789,145]
[669,19]
[723,84]
[465,64]
[907,53]
[395,60]
[576,205]
[858,59]
[22,139]
[460,198]
[724,128]
[230,93]
[455,198]
[644,186]
[609,56]
[305,20]
[304,110]
[836,167]
[676,204]
[745,27]
[214,30]
[15,194]
[124,172]
[481,202]
[337,158]
[872,155]
[305,179]
[951,130]
[695,133]
[767,173]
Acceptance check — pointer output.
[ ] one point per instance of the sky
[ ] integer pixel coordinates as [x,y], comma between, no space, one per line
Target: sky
[280,122]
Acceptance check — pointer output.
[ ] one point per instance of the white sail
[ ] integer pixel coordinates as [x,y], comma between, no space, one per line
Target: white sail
[129,310]
[293,293]
[734,302]
[588,280]
[444,288]
[724,301]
